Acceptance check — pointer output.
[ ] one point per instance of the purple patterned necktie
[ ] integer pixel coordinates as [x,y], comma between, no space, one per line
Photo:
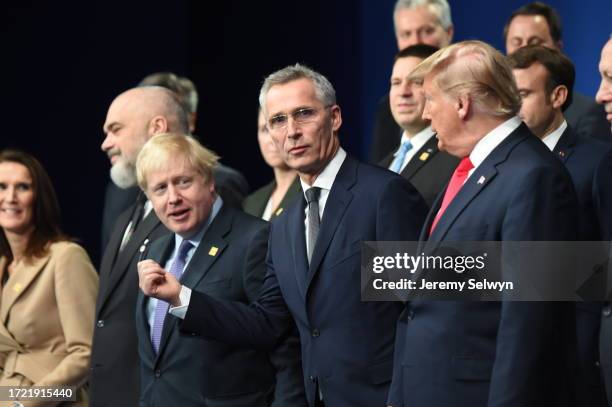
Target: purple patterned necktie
[161,309]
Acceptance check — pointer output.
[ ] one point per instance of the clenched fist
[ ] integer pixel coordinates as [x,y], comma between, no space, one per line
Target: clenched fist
[156,282]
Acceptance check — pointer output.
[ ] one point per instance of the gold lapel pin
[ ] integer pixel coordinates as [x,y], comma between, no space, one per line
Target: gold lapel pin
[424,156]
[279,211]
[17,287]
[213,251]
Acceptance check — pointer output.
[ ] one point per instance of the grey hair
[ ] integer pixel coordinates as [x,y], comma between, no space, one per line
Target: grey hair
[439,7]
[323,88]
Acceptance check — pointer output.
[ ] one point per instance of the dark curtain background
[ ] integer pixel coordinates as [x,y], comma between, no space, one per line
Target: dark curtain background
[63,63]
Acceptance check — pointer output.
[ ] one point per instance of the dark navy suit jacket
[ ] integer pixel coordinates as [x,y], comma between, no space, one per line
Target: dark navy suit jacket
[347,344]
[477,354]
[589,163]
[429,170]
[191,371]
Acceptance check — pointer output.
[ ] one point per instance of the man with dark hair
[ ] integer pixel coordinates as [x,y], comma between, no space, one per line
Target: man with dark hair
[415,22]
[545,78]
[416,157]
[539,24]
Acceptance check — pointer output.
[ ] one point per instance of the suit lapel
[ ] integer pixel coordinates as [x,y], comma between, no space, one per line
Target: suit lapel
[18,283]
[129,251]
[565,145]
[421,157]
[479,179]
[294,191]
[337,202]
[211,247]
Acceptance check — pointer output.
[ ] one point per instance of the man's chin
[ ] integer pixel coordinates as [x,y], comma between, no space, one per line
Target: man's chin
[123,175]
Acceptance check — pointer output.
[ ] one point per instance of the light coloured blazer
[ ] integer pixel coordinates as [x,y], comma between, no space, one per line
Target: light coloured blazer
[46,320]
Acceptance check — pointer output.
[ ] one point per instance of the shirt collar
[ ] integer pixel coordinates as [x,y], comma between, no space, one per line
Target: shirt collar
[487,144]
[418,140]
[326,178]
[197,238]
[553,138]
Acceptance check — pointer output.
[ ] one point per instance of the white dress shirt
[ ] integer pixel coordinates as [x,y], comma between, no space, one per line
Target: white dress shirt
[325,180]
[195,241]
[553,138]
[417,141]
[488,143]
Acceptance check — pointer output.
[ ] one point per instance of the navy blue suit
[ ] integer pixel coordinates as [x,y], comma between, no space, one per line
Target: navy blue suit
[589,163]
[494,354]
[191,371]
[347,344]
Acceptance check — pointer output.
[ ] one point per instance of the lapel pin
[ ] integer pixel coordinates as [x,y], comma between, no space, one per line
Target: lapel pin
[279,211]
[17,287]
[562,153]
[213,251]
[424,156]
[481,180]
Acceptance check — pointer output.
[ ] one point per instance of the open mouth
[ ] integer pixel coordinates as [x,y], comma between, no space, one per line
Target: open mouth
[179,215]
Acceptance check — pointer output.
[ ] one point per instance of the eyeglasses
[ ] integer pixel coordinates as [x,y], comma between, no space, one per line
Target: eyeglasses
[303,115]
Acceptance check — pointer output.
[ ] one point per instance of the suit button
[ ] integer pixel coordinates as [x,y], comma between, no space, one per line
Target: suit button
[100,323]
[410,315]
[315,333]
[597,364]
[313,379]
[158,373]
[606,311]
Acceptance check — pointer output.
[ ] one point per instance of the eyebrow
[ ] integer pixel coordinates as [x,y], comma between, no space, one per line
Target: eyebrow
[107,127]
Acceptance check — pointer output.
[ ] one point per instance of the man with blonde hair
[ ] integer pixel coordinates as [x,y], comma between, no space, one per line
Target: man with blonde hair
[213,249]
[507,187]
[133,117]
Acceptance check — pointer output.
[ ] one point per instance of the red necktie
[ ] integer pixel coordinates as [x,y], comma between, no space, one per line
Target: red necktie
[455,184]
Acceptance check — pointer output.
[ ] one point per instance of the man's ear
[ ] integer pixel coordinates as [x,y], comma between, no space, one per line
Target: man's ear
[450,31]
[158,125]
[336,117]
[558,96]
[463,106]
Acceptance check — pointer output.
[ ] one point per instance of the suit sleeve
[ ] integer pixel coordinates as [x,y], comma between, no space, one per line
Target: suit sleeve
[286,356]
[76,285]
[602,195]
[259,325]
[543,208]
[401,212]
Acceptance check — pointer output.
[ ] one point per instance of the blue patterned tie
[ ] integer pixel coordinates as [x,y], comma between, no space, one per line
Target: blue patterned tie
[161,309]
[400,155]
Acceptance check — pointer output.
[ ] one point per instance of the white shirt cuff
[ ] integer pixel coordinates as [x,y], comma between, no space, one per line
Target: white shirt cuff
[184,298]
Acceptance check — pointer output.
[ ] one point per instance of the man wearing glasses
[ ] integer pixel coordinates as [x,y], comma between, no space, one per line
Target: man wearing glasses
[314,254]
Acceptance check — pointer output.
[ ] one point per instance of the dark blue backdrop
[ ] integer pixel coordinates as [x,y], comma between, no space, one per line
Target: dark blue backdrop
[63,64]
